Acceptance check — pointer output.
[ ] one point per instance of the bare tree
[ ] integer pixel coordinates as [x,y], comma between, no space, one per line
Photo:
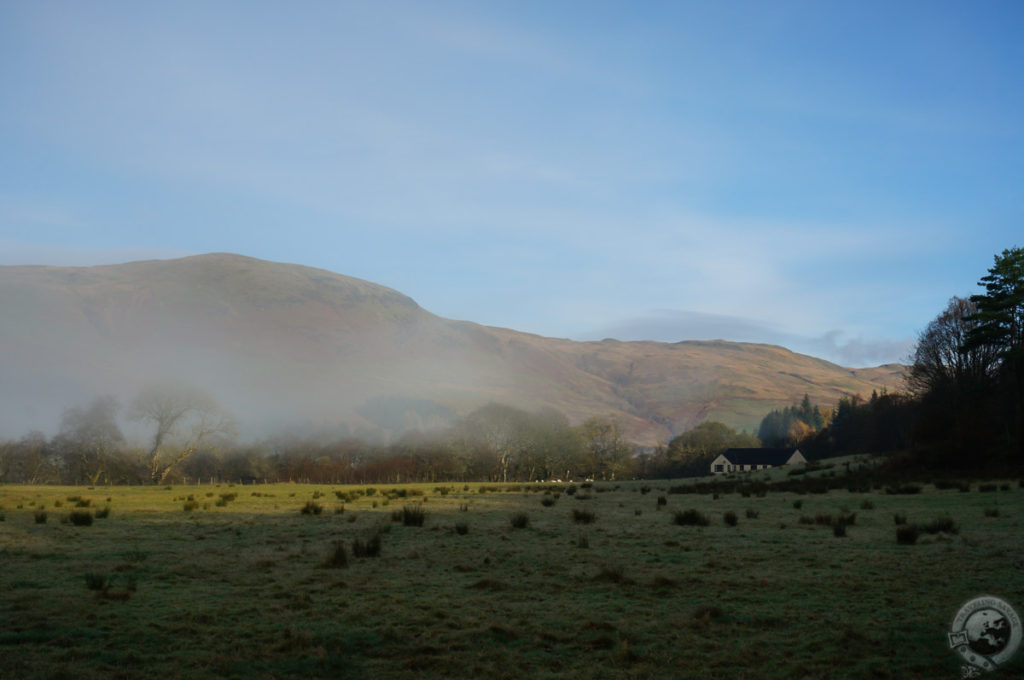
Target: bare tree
[185,418]
[88,439]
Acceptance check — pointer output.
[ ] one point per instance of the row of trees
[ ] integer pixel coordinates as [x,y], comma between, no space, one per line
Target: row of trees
[193,438]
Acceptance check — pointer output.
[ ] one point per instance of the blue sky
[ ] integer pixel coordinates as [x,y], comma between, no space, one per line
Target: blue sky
[821,175]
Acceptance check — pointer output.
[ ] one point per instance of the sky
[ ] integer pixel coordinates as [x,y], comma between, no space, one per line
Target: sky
[819,175]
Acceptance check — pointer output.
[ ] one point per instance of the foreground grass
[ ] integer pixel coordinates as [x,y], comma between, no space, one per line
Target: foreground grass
[254,588]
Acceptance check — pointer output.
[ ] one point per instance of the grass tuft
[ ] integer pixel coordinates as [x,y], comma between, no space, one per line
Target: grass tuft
[337,558]
[730,518]
[520,520]
[583,516]
[690,517]
[413,515]
[81,518]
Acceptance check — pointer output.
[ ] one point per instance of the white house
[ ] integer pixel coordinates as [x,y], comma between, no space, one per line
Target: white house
[746,460]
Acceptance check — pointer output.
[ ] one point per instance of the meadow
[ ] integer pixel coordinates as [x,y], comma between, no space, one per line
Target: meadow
[602,580]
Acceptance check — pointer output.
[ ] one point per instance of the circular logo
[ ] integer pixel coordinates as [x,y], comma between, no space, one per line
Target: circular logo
[986,632]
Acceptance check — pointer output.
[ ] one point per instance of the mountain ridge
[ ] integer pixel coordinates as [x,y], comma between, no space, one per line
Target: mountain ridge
[291,345]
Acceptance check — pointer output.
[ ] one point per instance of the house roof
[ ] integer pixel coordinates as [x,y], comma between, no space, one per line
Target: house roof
[759,456]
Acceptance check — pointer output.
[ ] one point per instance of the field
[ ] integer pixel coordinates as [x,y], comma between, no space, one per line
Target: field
[599,583]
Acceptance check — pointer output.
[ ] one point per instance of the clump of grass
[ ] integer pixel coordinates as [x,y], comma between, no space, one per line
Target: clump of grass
[662,502]
[730,518]
[337,558]
[614,574]
[311,508]
[806,519]
[369,547]
[520,520]
[583,516]
[582,541]
[570,490]
[987,488]
[690,517]
[941,525]
[798,503]
[752,514]
[899,518]
[867,505]
[81,518]
[40,517]
[96,581]
[547,500]
[906,534]
[903,489]
[463,507]
[413,515]
[396,515]
[102,513]
[189,506]
[461,528]
[823,519]
[83,502]
[991,512]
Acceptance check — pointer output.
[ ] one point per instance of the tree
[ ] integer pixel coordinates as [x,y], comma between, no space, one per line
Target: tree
[604,447]
[947,359]
[1000,327]
[184,418]
[88,439]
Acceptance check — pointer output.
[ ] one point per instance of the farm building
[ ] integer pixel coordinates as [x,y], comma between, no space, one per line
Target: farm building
[745,460]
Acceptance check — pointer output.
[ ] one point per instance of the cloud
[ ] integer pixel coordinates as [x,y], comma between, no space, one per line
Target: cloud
[671,325]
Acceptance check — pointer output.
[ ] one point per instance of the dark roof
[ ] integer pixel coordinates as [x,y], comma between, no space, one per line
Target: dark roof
[759,456]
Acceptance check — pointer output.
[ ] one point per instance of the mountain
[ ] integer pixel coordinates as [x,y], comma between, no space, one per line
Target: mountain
[287,346]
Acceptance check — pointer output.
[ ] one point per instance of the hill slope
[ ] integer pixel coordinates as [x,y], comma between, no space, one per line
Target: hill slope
[287,345]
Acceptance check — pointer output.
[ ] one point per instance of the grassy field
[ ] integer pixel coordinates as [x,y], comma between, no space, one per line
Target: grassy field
[246,585]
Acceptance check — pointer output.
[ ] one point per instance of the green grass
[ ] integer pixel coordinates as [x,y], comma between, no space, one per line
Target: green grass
[257,589]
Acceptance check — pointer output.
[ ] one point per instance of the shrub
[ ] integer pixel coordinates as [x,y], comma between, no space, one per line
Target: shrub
[730,518]
[839,529]
[102,513]
[40,517]
[338,557]
[189,506]
[752,514]
[369,547]
[547,501]
[899,518]
[83,502]
[906,534]
[690,518]
[991,512]
[81,518]
[520,520]
[461,528]
[570,490]
[413,515]
[645,489]
[583,516]
[797,504]
[311,508]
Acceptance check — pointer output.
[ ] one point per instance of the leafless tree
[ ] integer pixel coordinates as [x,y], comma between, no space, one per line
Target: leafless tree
[185,418]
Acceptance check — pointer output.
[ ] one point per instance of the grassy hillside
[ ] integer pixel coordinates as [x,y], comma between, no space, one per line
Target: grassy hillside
[283,344]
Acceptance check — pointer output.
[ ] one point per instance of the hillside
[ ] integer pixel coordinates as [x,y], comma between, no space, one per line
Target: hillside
[291,346]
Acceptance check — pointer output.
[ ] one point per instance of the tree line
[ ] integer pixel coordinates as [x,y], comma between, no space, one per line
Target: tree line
[192,439]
